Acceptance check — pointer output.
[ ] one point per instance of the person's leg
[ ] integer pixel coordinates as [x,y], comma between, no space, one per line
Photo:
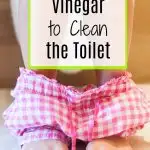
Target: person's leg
[19,15]
[104,76]
[111,143]
[45,145]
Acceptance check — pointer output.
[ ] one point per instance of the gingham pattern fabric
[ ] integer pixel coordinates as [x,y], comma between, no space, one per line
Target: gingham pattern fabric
[46,109]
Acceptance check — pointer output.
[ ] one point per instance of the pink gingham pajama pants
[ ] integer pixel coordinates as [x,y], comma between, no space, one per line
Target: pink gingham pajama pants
[46,109]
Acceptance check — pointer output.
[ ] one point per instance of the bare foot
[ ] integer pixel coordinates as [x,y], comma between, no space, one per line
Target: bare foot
[45,145]
[111,143]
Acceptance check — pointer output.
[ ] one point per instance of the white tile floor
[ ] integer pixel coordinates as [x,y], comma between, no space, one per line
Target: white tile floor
[140,142]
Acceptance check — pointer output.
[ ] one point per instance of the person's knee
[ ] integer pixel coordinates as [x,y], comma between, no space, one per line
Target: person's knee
[51,74]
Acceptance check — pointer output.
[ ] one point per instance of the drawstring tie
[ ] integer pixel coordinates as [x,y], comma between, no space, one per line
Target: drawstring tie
[73,132]
[91,125]
[74,139]
[72,129]
[92,122]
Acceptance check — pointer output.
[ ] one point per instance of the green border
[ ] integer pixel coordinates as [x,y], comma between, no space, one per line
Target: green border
[79,67]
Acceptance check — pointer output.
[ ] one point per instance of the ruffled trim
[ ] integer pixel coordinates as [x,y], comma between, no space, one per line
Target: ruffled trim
[30,82]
